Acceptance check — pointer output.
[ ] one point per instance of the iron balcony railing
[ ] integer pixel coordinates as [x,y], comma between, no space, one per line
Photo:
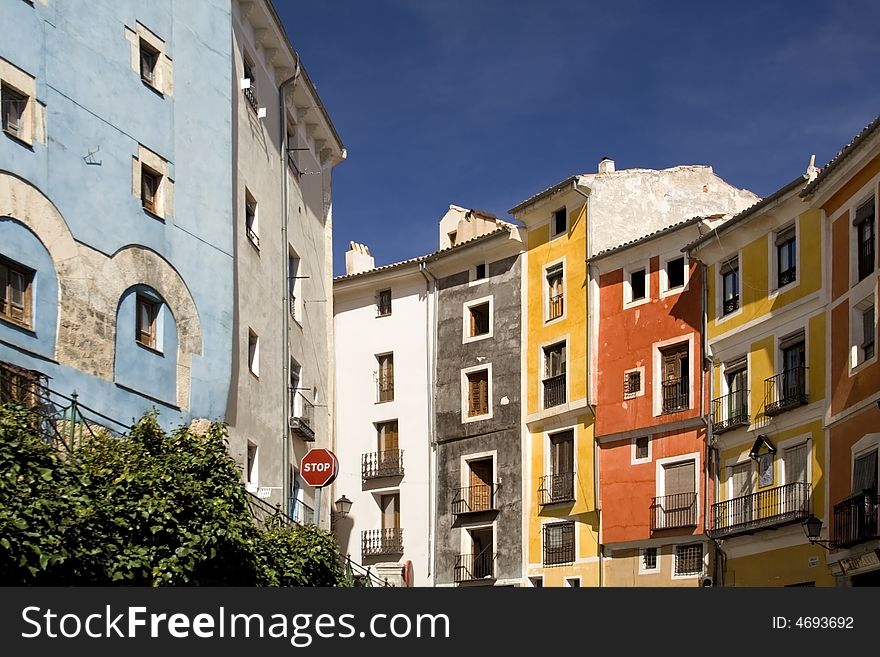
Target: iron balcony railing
[301,512]
[376,542]
[866,258]
[676,395]
[557,306]
[302,416]
[251,98]
[731,304]
[387,463]
[252,236]
[473,499]
[730,411]
[855,519]
[766,509]
[555,488]
[384,386]
[554,391]
[472,567]
[785,391]
[674,511]
[787,276]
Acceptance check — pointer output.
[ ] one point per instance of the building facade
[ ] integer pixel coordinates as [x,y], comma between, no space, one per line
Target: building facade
[651,399]
[116,243]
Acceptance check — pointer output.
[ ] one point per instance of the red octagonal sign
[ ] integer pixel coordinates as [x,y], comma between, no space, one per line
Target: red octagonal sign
[319,467]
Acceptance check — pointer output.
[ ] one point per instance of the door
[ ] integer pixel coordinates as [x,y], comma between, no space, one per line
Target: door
[388,457]
[483,552]
[675,378]
[742,487]
[562,464]
[390,513]
[678,506]
[480,485]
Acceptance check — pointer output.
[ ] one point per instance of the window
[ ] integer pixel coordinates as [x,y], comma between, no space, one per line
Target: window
[147,314]
[452,235]
[865,472]
[385,377]
[537,582]
[786,257]
[249,87]
[555,292]
[478,393]
[678,505]
[648,560]
[794,463]
[675,384]
[675,273]
[388,462]
[559,223]
[383,303]
[689,559]
[150,181]
[250,219]
[554,375]
[732,410]
[149,57]
[868,322]
[641,447]
[253,353]
[638,284]
[479,319]
[730,286]
[390,506]
[558,543]
[293,285]
[558,486]
[14,105]
[573,582]
[480,483]
[251,472]
[480,271]
[864,322]
[16,283]
[632,383]
[865,238]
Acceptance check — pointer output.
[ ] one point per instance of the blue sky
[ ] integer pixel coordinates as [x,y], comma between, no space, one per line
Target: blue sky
[482,103]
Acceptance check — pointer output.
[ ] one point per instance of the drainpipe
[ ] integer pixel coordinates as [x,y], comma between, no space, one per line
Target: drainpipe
[431,348]
[285,297]
[588,243]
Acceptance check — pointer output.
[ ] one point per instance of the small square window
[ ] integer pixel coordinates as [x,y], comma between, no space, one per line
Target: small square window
[637,280]
[675,273]
[537,582]
[150,181]
[479,319]
[632,383]
[649,559]
[689,559]
[253,353]
[147,314]
[14,105]
[642,447]
[480,271]
[559,223]
[573,582]
[149,57]
[383,303]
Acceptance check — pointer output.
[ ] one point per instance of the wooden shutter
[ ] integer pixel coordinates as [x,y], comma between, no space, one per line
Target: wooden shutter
[679,478]
[390,511]
[388,440]
[795,461]
[562,447]
[741,476]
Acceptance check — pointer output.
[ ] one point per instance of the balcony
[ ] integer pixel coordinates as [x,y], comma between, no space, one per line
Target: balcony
[676,395]
[302,416]
[855,519]
[730,304]
[674,511]
[785,391]
[554,391]
[556,488]
[301,512]
[766,509]
[787,276]
[730,411]
[474,499]
[387,463]
[376,542]
[866,258]
[557,306]
[384,387]
[251,98]
[472,567]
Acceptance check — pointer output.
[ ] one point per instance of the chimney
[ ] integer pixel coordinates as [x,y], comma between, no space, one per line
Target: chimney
[606,165]
[358,259]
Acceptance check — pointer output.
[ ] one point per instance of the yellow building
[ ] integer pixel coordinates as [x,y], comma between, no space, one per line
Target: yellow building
[561,523]
[766,333]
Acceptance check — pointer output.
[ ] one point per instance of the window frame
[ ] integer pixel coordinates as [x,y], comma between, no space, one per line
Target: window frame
[150,51]
[546,362]
[554,233]
[665,289]
[20,132]
[154,306]
[857,224]
[628,300]
[465,393]
[690,574]
[153,207]
[640,370]
[559,524]
[467,309]
[643,569]
[736,269]
[858,358]
[384,309]
[774,260]
[28,277]
[635,459]
[381,367]
[253,354]
[251,219]
[552,267]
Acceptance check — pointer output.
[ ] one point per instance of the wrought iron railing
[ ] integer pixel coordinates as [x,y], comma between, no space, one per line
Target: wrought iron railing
[855,519]
[387,463]
[252,236]
[555,488]
[674,511]
[676,394]
[557,306]
[376,542]
[787,276]
[472,567]
[358,576]
[554,391]
[301,512]
[731,304]
[473,499]
[302,415]
[773,507]
[730,411]
[866,257]
[251,97]
[785,391]
[559,546]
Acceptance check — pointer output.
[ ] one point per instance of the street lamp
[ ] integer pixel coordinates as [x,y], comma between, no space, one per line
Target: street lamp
[343,506]
[813,528]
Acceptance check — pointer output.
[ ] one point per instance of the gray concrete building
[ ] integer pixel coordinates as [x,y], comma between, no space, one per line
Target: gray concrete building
[479,514]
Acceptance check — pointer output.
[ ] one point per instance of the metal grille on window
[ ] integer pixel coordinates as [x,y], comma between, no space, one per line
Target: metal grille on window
[632,383]
[649,559]
[558,543]
[689,559]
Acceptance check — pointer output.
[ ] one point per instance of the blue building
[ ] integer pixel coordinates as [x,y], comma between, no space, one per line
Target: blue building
[116,213]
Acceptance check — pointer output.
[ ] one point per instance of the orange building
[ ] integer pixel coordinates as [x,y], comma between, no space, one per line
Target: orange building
[650,402]
[846,191]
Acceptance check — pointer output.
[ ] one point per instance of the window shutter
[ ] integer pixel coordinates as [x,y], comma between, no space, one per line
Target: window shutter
[785,235]
[795,460]
[679,478]
[484,394]
[865,472]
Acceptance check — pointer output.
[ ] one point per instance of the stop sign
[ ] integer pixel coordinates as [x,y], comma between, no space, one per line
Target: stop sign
[319,467]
